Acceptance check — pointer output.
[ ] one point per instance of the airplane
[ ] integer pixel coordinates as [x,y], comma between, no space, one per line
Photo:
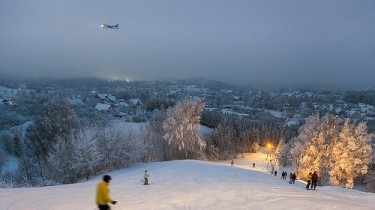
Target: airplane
[106,26]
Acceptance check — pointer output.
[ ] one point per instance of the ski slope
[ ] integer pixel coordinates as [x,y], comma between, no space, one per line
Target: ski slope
[191,184]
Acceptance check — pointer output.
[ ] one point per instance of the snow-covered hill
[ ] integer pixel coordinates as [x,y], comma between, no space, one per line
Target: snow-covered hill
[190,184]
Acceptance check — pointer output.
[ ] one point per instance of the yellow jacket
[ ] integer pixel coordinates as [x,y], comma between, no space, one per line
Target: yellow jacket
[102,194]
[309,177]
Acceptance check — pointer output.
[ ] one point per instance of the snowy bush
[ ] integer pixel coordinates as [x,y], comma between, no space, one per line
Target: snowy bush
[254,147]
[7,180]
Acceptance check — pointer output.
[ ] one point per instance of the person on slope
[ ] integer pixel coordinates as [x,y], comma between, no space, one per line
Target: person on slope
[294,177]
[309,177]
[290,178]
[145,176]
[314,180]
[102,194]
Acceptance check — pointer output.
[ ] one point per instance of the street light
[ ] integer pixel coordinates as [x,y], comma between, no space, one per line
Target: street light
[269,146]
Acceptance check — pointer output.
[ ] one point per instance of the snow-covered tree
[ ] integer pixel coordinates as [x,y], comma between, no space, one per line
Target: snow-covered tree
[86,155]
[282,151]
[223,139]
[182,127]
[61,165]
[155,145]
[370,176]
[254,147]
[351,154]
[313,145]
[307,132]
[120,146]
[339,153]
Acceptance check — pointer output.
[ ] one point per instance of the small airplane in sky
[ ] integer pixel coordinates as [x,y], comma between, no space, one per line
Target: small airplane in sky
[106,26]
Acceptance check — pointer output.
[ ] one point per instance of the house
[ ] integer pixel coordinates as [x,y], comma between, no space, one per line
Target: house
[135,102]
[102,107]
[365,108]
[111,97]
[292,122]
[102,96]
[75,102]
[105,96]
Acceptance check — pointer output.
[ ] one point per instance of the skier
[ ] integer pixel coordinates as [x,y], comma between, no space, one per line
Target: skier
[294,177]
[290,178]
[309,177]
[145,176]
[102,194]
[282,175]
[275,173]
[253,165]
[231,163]
[314,180]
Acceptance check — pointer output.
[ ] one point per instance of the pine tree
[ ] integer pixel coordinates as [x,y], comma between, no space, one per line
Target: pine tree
[17,145]
[223,140]
[155,145]
[370,176]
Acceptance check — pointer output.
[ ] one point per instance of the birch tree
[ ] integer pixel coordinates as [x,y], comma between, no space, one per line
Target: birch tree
[182,127]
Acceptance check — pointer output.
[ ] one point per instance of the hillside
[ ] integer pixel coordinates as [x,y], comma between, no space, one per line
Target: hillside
[190,184]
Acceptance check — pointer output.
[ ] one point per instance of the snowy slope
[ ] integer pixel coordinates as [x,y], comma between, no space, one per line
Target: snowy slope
[191,184]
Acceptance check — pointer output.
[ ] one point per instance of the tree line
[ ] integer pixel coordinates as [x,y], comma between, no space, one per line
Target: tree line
[58,147]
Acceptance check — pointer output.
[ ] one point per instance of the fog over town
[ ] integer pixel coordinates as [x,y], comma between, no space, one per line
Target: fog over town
[264,43]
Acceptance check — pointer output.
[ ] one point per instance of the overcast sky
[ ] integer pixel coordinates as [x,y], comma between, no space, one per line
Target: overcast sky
[253,42]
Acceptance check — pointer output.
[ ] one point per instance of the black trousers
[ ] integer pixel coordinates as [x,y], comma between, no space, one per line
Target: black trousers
[313,184]
[308,184]
[104,207]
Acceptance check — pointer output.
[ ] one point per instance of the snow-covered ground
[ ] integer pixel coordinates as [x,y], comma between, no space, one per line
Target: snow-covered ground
[190,184]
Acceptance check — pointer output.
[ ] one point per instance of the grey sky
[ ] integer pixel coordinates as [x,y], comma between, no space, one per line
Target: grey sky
[254,42]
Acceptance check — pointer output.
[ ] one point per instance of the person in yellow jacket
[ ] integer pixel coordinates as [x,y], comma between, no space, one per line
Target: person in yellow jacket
[309,177]
[102,194]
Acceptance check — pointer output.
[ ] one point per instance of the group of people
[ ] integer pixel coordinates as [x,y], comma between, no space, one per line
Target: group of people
[312,180]
[284,174]
[292,177]
[102,192]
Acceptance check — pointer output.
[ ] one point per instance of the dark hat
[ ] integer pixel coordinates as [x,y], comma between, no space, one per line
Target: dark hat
[106,178]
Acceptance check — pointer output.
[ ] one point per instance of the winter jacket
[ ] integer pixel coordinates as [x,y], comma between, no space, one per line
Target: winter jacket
[102,194]
[315,177]
[145,175]
[309,177]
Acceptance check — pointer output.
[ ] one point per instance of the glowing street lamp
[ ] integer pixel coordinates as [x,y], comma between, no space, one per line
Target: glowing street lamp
[269,147]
